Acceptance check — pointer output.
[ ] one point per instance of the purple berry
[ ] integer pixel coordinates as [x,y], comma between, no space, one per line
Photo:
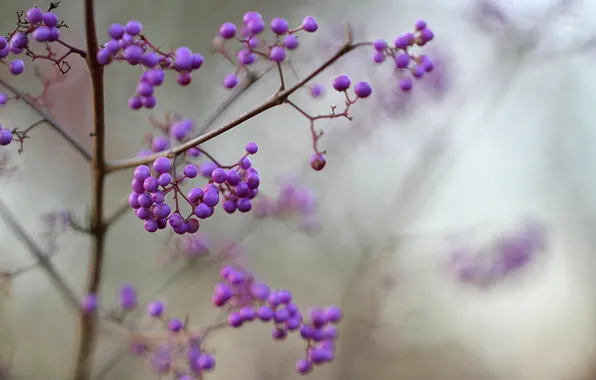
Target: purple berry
[342,83]
[50,19]
[34,15]
[406,84]
[133,27]
[362,89]
[227,30]
[309,24]
[5,136]
[155,309]
[291,42]
[277,54]
[230,81]
[279,26]
[162,165]
[17,67]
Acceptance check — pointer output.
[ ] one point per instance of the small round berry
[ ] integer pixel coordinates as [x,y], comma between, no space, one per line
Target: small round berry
[34,15]
[235,319]
[155,309]
[251,15]
[309,24]
[164,179]
[342,83]
[133,27]
[175,325]
[211,198]
[17,67]
[247,313]
[406,84]
[191,171]
[333,314]
[265,313]
[133,54]
[197,61]
[379,57]
[277,54]
[184,79]
[279,26]
[162,210]
[50,19]
[244,205]
[41,34]
[162,165]
[426,35]
[291,42]
[232,177]
[318,161]
[303,366]
[316,90]
[5,136]
[402,61]
[227,30]
[401,42]
[252,148]
[380,45]
[420,25]
[230,206]
[426,62]
[3,42]
[279,333]
[3,98]
[245,163]
[362,89]
[418,72]
[202,211]
[230,81]
[150,225]
[256,26]
[206,362]
[219,175]
[246,57]
[116,31]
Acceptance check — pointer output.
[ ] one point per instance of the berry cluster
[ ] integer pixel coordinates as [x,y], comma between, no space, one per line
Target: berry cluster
[255,301]
[254,47]
[406,63]
[508,254]
[129,44]
[234,186]
[41,26]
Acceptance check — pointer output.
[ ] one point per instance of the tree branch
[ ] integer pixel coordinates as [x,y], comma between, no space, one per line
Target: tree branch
[65,133]
[275,100]
[88,325]
[42,257]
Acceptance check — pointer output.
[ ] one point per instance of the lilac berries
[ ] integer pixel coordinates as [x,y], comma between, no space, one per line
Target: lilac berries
[233,187]
[342,83]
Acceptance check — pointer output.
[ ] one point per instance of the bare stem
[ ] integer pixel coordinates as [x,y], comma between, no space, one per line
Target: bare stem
[43,258]
[65,133]
[276,100]
[88,325]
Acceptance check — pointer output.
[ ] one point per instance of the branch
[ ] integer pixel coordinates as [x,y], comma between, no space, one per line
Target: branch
[276,100]
[65,133]
[250,79]
[43,258]
[98,228]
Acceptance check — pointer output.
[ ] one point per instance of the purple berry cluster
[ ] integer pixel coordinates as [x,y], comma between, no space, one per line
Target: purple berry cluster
[234,187]
[254,301]
[253,45]
[406,63]
[487,265]
[33,24]
[130,45]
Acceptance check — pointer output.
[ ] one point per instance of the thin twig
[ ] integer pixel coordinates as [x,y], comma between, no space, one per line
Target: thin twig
[88,325]
[43,258]
[275,100]
[64,132]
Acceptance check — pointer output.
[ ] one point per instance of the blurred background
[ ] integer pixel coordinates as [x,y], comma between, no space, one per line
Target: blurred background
[417,204]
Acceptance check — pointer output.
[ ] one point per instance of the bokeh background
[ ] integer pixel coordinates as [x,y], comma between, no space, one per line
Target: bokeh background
[501,134]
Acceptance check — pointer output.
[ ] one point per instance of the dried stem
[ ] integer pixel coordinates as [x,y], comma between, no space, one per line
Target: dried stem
[98,227]
[65,133]
[42,257]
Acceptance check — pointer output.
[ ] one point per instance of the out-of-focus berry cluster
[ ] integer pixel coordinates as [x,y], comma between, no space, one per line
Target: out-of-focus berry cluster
[406,63]
[485,266]
[233,186]
[181,352]
[254,301]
